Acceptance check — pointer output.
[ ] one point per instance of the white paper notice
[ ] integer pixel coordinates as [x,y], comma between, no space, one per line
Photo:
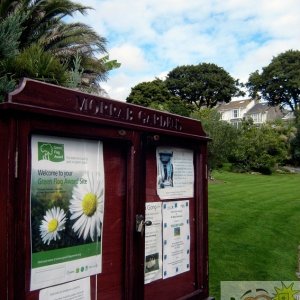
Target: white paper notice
[175,173]
[176,238]
[75,290]
[67,209]
[153,242]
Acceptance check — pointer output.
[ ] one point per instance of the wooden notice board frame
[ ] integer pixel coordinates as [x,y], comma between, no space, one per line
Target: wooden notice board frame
[129,134]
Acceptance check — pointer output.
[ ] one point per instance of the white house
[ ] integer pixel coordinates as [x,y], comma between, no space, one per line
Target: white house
[261,113]
[234,111]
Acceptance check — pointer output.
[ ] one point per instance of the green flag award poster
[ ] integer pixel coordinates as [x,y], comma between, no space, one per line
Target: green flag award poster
[67,206]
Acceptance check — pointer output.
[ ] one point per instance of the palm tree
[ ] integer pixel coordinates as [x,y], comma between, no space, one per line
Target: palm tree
[40,26]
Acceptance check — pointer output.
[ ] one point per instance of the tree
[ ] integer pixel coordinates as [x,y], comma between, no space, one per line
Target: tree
[223,135]
[279,82]
[10,31]
[260,149]
[39,25]
[154,94]
[36,63]
[295,147]
[202,85]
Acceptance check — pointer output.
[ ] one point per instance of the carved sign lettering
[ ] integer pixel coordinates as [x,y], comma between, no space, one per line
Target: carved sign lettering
[103,108]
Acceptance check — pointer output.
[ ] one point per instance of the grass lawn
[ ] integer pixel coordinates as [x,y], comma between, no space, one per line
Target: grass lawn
[254,228]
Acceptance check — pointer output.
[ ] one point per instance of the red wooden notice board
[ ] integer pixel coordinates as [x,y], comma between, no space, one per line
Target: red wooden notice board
[100,199]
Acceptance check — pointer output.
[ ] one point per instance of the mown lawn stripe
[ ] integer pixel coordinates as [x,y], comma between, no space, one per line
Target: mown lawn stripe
[254,227]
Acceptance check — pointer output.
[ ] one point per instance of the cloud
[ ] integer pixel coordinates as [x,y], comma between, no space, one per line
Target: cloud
[153,36]
[131,57]
[260,57]
[120,84]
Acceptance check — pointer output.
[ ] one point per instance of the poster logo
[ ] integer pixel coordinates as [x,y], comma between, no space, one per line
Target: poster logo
[51,151]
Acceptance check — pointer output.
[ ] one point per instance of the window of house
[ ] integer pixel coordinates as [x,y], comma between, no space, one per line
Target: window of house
[256,118]
[236,124]
[235,113]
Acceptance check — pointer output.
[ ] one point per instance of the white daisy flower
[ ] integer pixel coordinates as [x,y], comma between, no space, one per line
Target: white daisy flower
[53,222]
[87,207]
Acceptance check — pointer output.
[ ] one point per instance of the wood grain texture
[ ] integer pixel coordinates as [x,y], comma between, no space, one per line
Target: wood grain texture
[130,135]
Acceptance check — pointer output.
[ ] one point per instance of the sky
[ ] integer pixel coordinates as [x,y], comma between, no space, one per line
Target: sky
[152,37]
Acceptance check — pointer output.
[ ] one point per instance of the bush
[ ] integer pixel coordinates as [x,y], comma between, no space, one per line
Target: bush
[6,86]
[260,149]
[224,137]
[295,147]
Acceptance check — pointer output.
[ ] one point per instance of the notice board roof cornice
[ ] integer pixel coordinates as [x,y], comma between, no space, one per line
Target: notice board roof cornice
[36,96]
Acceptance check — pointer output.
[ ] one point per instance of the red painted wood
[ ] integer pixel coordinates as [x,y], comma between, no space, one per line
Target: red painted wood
[50,99]
[191,282]
[110,283]
[7,149]
[130,134]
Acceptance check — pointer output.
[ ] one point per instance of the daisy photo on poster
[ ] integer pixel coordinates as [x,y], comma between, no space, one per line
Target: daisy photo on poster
[86,207]
[67,207]
[53,222]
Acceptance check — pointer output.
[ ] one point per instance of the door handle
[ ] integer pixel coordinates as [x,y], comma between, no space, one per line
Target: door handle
[140,224]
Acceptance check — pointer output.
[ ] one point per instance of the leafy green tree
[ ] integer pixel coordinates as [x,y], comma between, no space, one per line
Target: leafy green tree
[203,85]
[260,149]
[10,32]
[295,147]
[36,63]
[279,82]
[39,25]
[223,135]
[154,94]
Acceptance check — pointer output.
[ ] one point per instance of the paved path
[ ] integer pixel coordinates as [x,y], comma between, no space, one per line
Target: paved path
[292,169]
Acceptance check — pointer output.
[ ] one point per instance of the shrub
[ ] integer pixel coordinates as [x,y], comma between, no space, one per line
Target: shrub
[224,137]
[260,149]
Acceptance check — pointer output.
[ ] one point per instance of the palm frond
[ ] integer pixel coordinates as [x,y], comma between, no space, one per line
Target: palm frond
[72,35]
[44,15]
[7,7]
[42,46]
[10,32]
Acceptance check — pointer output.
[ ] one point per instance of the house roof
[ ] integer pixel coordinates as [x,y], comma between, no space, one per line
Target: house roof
[258,108]
[234,105]
[272,112]
[288,115]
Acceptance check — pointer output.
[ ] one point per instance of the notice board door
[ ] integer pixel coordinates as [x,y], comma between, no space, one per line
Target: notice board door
[48,191]
[175,239]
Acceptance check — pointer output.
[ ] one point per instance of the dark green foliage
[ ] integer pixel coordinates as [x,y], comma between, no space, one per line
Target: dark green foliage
[186,89]
[202,85]
[34,62]
[42,17]
[279,82]
[295,147]
[75,73]
[146,93]
[110,64]
[155,95]
[10,32]
[260,149]
[7,85]
[224,137]
[26,25]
